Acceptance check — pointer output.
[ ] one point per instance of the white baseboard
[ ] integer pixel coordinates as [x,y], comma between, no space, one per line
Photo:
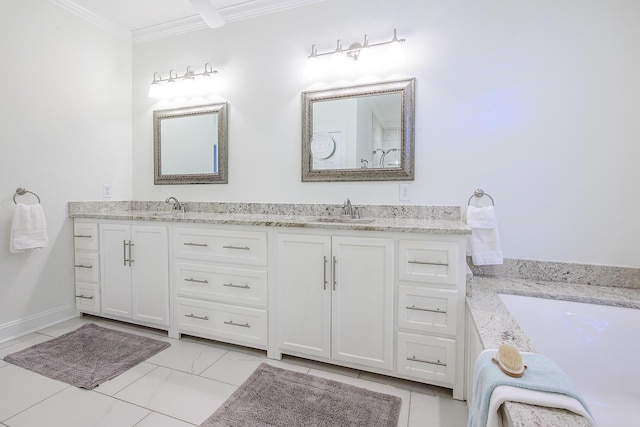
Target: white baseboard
[27,325]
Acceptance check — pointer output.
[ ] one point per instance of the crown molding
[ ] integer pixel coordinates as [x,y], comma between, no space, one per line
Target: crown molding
[237,12]
[168,29]
[95,19]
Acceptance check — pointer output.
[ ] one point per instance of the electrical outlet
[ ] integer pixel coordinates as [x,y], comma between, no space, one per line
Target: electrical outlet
[406,192]
[106,191]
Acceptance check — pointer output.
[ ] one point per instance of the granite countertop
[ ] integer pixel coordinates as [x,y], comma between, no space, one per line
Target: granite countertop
[496,326]
[305,218]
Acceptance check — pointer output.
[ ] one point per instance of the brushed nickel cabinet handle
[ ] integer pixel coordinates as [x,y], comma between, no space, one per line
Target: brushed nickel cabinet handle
[243,248]
[231,285]
[83,266]
[324,270]
[193,316]
[204,245]
[232,323]
[335,261]
[431,362]
[196,280]
[427,262]
[437,310]
[84,297]
[124,252]
[130,256]
[83,236]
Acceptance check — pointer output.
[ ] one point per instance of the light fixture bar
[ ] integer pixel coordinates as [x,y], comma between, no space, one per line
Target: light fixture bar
[189,74]
[354,49]
[186,85]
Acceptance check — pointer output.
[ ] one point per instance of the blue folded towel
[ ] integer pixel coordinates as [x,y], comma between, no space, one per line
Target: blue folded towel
[542,374]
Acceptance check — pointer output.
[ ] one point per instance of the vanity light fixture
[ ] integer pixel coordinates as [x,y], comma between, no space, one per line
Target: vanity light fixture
[355,50]
[189,84]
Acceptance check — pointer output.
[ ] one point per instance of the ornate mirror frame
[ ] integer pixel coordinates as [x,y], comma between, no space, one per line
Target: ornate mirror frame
[407,143]
[220,110]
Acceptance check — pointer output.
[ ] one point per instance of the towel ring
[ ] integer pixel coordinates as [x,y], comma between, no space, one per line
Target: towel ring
[21,192]
[480,193]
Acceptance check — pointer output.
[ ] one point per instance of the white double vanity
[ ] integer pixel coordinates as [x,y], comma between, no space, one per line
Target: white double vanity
[384,295]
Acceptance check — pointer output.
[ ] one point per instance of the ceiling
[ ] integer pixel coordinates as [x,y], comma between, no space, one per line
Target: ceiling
[144,20]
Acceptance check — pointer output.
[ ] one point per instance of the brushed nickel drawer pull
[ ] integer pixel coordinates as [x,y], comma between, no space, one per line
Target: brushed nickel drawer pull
[431,362]
[193,316]
[83,297]
[244,248]
[204,245]
[83,266]
[430,310]
[427,262]
[232,323]
[231,285]
[85,236]
[191,279]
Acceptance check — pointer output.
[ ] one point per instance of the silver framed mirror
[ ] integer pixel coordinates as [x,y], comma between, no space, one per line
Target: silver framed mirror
[190,145]
[359,133]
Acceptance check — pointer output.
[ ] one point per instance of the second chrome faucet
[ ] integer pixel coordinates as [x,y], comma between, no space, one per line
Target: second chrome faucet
[350,210]
[176,204]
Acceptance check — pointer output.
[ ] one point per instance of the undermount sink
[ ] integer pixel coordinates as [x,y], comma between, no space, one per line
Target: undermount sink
[343,220]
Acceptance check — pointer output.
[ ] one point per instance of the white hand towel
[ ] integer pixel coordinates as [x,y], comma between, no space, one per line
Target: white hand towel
[484,243]
[506,393]
[28,228]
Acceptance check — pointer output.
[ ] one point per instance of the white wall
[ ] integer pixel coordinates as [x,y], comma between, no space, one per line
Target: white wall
[535,102]
[65,129]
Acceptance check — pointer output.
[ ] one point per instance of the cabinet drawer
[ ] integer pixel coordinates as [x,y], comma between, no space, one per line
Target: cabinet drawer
[224,322]
[223,284]
[87,266]
[432,262]
[85,236]
[427,358]
[239,247]
[88,298]
[427,310]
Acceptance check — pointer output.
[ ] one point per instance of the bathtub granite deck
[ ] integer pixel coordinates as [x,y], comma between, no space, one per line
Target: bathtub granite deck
[496,326]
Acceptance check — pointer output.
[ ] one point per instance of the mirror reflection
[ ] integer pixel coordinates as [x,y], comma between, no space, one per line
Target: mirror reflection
[190,145]
[359,133]
[374,141]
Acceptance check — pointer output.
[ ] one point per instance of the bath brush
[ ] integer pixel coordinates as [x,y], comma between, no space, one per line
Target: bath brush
[509,361]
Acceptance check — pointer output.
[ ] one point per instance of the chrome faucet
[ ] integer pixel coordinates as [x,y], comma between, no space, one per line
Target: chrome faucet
[349,210]
[176,204]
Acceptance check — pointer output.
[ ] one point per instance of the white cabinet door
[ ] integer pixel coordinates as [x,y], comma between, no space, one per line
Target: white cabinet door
[136,272]
[362,308]
[150,274]
[335,298]
[304,294]
[116,289]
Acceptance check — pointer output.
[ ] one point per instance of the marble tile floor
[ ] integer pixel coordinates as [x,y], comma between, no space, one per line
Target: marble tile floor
[182,386]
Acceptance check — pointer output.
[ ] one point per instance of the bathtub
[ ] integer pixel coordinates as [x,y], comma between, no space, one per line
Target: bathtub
[597,346]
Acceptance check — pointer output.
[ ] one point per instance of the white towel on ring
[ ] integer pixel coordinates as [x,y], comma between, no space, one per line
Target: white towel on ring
[484,243]
[28,228]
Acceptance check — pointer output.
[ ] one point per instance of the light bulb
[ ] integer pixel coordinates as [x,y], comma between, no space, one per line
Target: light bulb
[155,91]
[395,52]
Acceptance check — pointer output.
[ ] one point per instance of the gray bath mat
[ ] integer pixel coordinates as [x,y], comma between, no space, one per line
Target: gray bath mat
[88,356]
[278,397]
